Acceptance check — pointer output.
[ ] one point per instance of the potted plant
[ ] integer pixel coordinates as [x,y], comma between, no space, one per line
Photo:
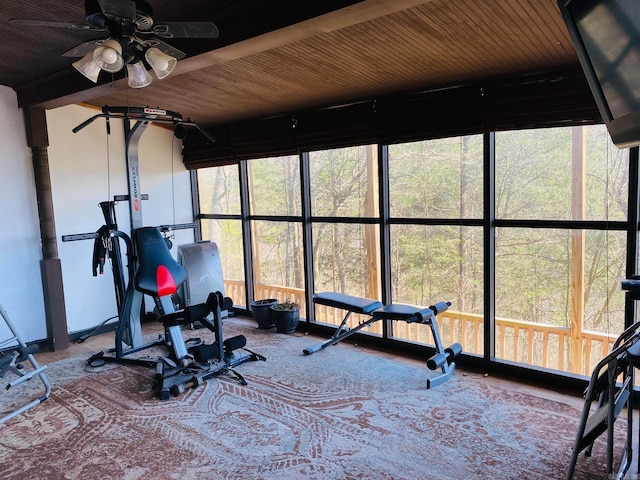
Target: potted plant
[261,311]
[286,316]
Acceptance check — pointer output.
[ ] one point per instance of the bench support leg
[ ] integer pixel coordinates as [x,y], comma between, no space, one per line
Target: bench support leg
[340,334]
[444,356]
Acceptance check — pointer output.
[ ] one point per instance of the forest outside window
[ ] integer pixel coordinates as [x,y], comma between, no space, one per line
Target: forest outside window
[560,233]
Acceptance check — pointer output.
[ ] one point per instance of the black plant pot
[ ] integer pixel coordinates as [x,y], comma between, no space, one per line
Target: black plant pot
[261,311]
[286,320]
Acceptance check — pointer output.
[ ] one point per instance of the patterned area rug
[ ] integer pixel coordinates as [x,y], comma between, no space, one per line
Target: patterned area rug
[342,413]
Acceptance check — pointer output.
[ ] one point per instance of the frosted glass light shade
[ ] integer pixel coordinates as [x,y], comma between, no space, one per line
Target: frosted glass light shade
[87,67]
[108,56]
[138,75]
[161,63]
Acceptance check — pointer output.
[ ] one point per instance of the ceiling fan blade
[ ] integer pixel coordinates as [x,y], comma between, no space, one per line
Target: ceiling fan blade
[118,10]
[45,23]
[84,48]
[186,30]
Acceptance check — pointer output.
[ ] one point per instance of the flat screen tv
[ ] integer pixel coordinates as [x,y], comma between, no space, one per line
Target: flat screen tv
[606,36]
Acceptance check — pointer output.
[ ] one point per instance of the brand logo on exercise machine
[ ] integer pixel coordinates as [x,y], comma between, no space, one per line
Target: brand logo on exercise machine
[154,111]
[134,184]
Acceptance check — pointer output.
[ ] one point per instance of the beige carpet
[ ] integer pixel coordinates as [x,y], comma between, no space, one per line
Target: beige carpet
[342,413]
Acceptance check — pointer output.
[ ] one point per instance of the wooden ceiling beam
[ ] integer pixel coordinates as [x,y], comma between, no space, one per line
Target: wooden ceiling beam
[303,19]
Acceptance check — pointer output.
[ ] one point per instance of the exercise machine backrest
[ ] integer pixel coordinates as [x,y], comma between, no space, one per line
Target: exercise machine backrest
[159,274]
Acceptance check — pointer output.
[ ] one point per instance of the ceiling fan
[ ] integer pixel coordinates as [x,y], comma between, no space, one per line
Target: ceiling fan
[133,40]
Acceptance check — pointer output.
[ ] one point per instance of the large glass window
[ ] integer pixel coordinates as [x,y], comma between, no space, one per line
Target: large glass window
[560,236]
[558,298]
[219,195]
[607,175]
[344,182]
[274,190]
[346,254]
[278,261]
[274,186]
[227,234]
[346,260]
[436,178]
[431,264]
[219,190]
[572,173]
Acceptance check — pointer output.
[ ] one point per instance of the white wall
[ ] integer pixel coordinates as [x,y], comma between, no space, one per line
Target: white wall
[86,168]
[20,246]
[89,167]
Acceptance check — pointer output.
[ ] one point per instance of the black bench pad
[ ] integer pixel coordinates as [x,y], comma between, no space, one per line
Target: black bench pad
[347,302]
[398,311]
[631,284]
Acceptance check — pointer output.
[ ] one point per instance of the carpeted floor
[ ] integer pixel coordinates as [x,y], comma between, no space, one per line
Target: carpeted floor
[341,413]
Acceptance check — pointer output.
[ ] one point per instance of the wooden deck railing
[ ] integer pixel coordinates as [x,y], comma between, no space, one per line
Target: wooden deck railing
[532,343]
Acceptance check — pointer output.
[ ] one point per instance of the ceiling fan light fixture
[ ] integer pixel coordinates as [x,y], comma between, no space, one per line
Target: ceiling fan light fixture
[161,63]
[138,75]
[87,67]
[108,56]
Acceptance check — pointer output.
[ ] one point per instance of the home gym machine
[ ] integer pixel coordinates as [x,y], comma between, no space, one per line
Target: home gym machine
[159,275]
[107,246]
[153,271]
[129,301]
[611,390]
[14,354]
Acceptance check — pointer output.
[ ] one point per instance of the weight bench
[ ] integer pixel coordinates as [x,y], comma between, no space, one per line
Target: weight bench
[442,359]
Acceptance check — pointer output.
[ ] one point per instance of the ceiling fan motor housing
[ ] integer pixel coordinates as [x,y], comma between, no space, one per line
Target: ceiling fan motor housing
[95,16]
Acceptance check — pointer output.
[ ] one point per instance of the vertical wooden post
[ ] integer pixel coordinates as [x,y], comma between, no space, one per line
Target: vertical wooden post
[50,266]
[461,303]
[371,236]
[578,180]
[255,256]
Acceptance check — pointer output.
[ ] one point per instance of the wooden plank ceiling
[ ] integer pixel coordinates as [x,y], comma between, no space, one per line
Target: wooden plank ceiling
[276,61]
